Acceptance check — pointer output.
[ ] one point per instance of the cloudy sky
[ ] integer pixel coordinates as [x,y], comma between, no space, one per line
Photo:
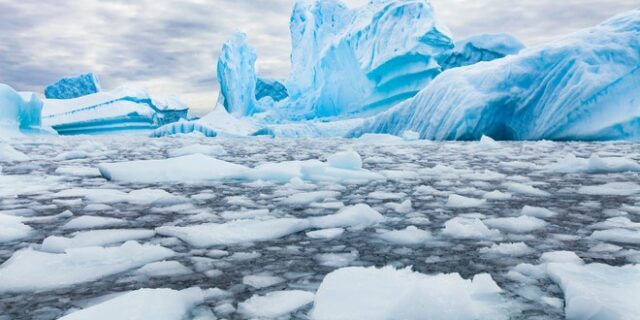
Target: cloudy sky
[171,46]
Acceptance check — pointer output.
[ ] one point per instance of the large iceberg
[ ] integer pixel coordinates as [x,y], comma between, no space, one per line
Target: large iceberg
[73,87]
[352,61]
[124,109]
[478,48]
[18,111]
[581,87]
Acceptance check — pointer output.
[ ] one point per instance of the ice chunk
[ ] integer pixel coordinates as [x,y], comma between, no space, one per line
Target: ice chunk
[538,212]
[94,238]
[157,304]
[29,270]
[409,236]
[275,304]
[331,233]
[497,195]
[612,189]
[73,87]
[595,164]
[235,232]
[262,281]
[308,197]
[508,249]
[387,293]
[163,269]
[526,189]
[580,87]
[456,201]
[9,154]
[207,150]
[12,228]
[561,257]
[598,291]
[85,172]
[337,260]
[18,112]
[521,224]
[617,235]
[360,215]
[468,228]
[348,160]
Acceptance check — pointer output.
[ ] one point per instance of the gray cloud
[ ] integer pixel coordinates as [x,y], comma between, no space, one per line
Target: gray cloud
[171,46]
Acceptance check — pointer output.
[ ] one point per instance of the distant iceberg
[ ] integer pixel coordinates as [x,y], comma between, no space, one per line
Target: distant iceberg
[73,87]
[18,111]
[123,109]
[585,86]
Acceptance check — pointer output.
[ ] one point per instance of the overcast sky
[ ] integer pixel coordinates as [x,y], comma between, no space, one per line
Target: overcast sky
[171,46]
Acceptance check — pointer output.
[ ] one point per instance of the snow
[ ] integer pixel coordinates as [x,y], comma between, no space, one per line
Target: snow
[12,228]
[207,150]
[94,238]
[409,236]
[275,304]
[387,293]
[457,201]
[29,270]
[468,228]
[595,164]
[521,224]
[18,112]
[598,291]
[158,304]
[579,87]
[73,87]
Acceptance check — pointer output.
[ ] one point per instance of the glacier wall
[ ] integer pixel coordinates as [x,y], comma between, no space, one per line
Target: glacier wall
[274,89]
[123,109]
[582,87]
[73,87]
[18,112]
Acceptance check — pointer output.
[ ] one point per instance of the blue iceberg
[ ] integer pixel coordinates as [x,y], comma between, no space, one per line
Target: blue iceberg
[479,48]
[123,109]
[73,87]
[585,86]
[18,111]
[271,88]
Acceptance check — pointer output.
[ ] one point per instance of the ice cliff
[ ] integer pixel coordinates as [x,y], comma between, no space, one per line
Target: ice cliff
[73,87]
[18,111]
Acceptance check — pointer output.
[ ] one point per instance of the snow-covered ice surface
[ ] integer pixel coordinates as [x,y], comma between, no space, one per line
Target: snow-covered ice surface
[555,234]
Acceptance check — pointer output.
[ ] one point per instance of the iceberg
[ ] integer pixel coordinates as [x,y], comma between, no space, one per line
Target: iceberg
[271,88]
[581,87]
[124,109]
[73,87]
[353,61]
[478,48]
[18,111]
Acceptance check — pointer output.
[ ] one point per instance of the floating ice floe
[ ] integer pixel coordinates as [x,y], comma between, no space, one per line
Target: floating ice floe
[163,269]
[12,228]
[275,304]
[508,249]
[246,231]
[521,224]
[611,189]
[94,238]
[194,168]
[526,190]
[207,150]
[90,222]
[595,164]
[157,304]
[409,236]
[10,154]
[260,281]
[30,270]
[387,293]
[457,201]
[469,228]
